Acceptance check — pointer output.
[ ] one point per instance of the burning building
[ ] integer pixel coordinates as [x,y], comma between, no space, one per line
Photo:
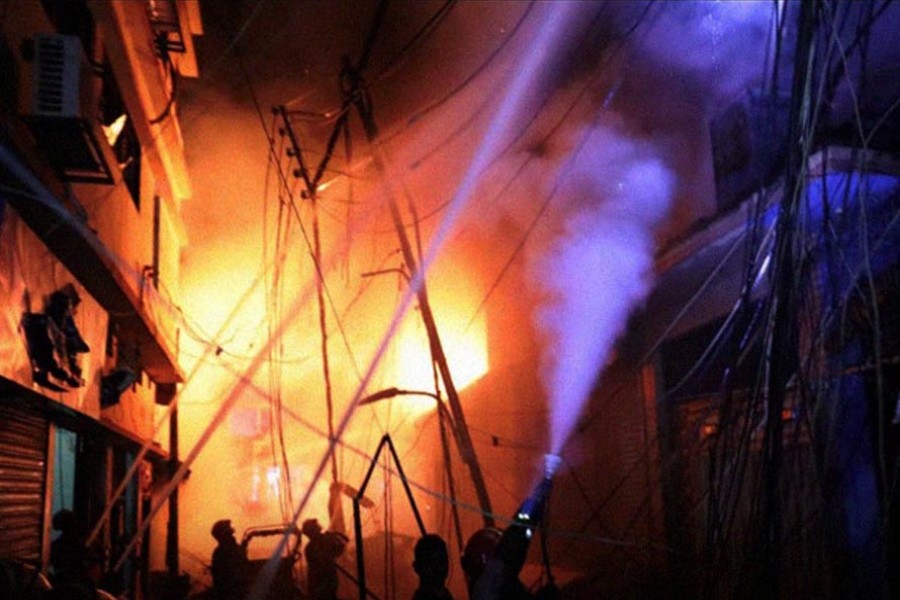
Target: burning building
[93,176]
[429,245]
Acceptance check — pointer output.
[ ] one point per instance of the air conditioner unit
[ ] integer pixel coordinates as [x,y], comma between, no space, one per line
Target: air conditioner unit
[53,111]
[749,146]
[56,76]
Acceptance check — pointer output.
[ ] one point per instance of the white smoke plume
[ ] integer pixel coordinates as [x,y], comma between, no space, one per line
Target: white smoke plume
[600,268]
[689,60]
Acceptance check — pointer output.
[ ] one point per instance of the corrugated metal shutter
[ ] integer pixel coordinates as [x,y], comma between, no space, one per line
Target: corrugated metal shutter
[23,473]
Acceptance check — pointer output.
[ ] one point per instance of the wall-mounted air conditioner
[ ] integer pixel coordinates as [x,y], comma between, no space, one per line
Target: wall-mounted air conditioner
[749,146]
[63,131]
[56,76]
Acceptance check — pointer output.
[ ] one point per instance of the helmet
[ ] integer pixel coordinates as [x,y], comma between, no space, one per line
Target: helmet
[479,550]
[222,529]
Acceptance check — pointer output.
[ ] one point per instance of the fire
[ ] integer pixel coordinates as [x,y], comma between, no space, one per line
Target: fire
[465,349]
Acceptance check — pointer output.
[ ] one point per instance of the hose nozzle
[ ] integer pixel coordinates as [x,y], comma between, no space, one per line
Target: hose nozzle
[551,465]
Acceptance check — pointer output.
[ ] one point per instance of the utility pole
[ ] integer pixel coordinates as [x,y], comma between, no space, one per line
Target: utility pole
[311,184]
[460,430]
[356,95]
[165,394]
[783,343]
[466,448]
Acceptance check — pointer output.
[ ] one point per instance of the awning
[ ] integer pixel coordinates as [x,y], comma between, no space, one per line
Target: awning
[69,418]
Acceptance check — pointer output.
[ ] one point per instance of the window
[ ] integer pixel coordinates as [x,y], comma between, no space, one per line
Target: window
[121,135]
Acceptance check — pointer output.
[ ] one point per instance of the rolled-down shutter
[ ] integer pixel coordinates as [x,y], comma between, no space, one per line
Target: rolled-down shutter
[23,475]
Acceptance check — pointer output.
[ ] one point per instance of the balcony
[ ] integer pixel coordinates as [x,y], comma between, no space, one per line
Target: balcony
[79,249]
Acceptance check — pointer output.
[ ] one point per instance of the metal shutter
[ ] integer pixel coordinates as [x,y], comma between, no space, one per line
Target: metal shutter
[23,474]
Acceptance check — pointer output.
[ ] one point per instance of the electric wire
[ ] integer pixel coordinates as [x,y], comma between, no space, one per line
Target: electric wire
[217,419]
[567,113]
[864,242]
[429,27]
[201,443]
[273,307]
[633,469]
[442,145]
[431,107]
[233,43]
[254,13]
[433,22]
[73,222]
[511,100]
[332,115]
[712,496]
[318,267]
[173,76]
[710,278]
[876,344]
[770,521]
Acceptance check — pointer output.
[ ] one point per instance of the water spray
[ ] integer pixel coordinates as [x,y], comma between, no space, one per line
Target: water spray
[551,465]
[500,576]
[531,511]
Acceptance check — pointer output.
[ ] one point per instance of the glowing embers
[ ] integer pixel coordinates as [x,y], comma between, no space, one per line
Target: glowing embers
[465,348]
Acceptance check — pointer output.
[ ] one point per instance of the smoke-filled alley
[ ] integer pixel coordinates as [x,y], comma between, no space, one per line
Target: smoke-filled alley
[448,299]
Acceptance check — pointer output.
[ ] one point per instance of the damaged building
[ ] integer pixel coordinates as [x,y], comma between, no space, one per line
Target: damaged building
[93,175]
[397,267]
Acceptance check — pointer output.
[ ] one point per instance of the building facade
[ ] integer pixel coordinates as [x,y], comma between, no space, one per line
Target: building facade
[774,332]
[92,177]
[742,442]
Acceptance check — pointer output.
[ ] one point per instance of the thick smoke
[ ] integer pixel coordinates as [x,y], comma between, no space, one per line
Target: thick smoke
[600,268]
[716,46]
[691,58]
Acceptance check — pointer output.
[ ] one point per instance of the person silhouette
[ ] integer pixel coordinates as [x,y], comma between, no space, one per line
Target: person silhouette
[432,565]
[321,552]
[230,567]
[66,550]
